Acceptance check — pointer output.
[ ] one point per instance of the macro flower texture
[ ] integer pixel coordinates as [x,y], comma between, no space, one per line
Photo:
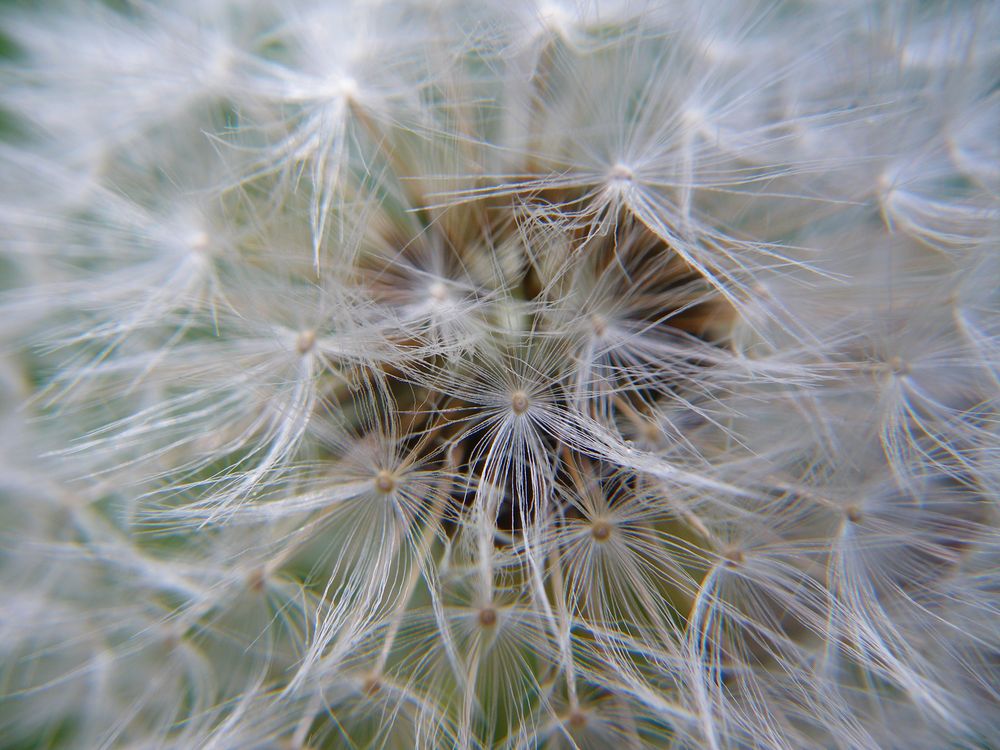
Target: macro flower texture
[432,374]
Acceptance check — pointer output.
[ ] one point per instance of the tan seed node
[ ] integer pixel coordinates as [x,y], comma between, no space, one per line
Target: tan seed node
[601,531]
[346,87]
[305,342]
[519,402]
[438,292]
[371,686]
[256,580]
[200,242]
[577,719]
[733,557]
[487,617]
[385,482]
[853,513]
[599,324]
[898,366]
[621,173]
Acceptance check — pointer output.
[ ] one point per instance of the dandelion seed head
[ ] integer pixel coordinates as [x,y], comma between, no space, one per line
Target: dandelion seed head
[439,374]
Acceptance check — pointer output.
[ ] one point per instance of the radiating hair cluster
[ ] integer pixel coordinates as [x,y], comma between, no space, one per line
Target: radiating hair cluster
[442,374]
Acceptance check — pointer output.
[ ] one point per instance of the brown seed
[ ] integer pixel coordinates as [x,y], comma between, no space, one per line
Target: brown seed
[487,617]
[577,719]
[371,686]
[256,580]
[601,531]
[853,513]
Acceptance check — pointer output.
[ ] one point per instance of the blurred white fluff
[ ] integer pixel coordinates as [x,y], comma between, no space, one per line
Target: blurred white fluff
[564,374]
